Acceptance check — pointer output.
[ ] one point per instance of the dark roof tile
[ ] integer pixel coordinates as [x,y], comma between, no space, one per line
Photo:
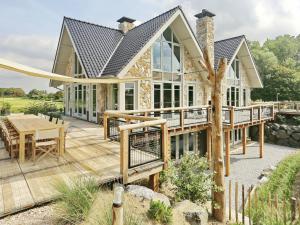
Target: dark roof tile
[226,48]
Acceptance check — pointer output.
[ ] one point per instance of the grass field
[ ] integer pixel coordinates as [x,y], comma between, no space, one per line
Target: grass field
[19,104]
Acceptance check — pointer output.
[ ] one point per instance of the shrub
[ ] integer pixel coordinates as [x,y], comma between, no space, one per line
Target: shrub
[41,107]
[75,200]
[5,109]
[191,179]
[159,212]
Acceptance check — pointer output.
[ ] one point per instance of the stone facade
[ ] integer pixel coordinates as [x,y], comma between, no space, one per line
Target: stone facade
[142,68]
[205,34]
[191,76]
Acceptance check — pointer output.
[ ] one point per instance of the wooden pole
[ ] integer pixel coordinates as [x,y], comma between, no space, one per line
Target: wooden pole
[124,155]
[229,199]
[165,144]
[236,202]
[118,214]
[154,182]
[284,211]
[227,151]
[244,139]
[249,204]
[215,79]
[261,139]
[243,204]
[293,209]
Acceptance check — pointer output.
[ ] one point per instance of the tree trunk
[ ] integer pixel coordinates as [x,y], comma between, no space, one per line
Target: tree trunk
[218,163]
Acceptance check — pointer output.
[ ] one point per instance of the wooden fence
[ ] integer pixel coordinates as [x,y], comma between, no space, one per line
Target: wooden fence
[242,202]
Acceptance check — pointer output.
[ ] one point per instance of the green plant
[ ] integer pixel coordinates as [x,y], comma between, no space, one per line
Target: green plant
[41,107]
[191,178]
[5,109]
[75,199]
[159,212]
[280,182]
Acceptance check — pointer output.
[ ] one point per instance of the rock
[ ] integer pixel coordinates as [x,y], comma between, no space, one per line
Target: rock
[296,136]
[146,193]
[275,126]
[283,127]
[297,129]
[263,180]
[281,134]
[289,130]
[293,143]
[192,213]
[284,142]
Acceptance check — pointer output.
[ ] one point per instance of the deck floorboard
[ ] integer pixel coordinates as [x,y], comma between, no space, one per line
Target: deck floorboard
[26,185]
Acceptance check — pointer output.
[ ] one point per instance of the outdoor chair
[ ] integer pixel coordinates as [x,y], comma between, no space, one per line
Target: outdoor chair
[47,117]
[45,143]
[60,122]
[54,120]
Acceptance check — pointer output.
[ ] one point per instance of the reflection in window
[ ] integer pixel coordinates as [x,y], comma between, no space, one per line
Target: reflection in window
[129,96]
[177,95]
[166,57]
[94,100]
[167,95]
[191,95]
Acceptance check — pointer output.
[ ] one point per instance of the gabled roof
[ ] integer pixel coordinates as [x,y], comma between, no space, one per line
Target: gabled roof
[105,51]
[93,43]
[134,40]
[227,48]
[237,46]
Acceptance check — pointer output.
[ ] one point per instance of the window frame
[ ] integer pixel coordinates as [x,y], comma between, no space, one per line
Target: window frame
[133,95]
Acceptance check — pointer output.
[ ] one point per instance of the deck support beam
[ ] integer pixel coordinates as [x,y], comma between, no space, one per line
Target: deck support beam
[227,152]
[244,139]
[261,139]
[208,144]
[154,182]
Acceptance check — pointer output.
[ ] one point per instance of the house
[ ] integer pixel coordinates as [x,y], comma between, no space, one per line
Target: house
[161,56]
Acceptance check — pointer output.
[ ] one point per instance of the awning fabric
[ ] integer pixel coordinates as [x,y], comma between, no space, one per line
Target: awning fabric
[57,79]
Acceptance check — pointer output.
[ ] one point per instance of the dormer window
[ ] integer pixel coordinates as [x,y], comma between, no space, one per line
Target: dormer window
[77,66]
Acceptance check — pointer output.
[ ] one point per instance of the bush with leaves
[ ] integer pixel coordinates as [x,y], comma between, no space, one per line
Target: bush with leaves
[41,107]
[5,109]
[159,212]
[191,179]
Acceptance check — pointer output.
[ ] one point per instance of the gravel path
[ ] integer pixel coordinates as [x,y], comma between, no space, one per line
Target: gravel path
[245,169]
[41,215]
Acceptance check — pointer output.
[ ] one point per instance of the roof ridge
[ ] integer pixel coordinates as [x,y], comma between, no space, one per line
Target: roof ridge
[94,24]
[226,39]
[179,7]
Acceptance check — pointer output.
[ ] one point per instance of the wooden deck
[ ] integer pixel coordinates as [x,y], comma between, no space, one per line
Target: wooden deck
[87,153]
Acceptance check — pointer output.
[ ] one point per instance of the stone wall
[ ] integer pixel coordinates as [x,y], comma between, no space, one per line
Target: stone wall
[143,68]
[280,134]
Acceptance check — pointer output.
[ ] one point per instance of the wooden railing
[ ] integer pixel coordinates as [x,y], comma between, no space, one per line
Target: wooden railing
[233,116]
[179,117]
[143,140]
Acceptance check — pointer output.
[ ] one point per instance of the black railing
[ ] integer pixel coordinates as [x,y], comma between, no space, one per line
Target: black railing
[113,132]
[144,146]
[196,116]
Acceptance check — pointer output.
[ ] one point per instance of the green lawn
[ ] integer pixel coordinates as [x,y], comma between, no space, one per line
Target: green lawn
[19,104]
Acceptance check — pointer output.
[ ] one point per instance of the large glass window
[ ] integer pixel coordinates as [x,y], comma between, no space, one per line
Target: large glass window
[234,70]
[115,96]
[166,56]
[167,95]
[177,95]
[129,96]
[77,65]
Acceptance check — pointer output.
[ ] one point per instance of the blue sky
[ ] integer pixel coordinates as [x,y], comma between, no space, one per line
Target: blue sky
[30,28]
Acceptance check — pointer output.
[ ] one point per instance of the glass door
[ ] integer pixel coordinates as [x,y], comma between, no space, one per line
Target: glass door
[81,101]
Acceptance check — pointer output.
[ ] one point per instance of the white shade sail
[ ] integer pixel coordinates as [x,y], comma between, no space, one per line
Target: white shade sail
[59,79]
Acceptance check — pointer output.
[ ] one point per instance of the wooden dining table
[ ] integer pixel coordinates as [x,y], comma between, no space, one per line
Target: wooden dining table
[28,125]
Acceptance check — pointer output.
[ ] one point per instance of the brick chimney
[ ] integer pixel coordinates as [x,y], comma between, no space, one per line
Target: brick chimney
[205,31]
[125,24]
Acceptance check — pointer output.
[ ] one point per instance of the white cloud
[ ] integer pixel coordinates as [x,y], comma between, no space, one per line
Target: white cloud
[32,50]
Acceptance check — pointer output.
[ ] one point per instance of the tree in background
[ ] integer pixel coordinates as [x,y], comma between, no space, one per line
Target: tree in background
[278,62]
[12,92]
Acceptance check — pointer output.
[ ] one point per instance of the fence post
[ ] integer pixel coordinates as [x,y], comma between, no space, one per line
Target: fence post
[165,144]
[236,201]
[293,209]
[105,125]
[227,151]
[229,199]
[232,117]
[124,139]
[243,204]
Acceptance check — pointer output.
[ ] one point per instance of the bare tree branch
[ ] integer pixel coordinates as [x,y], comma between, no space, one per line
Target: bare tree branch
[221,68]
